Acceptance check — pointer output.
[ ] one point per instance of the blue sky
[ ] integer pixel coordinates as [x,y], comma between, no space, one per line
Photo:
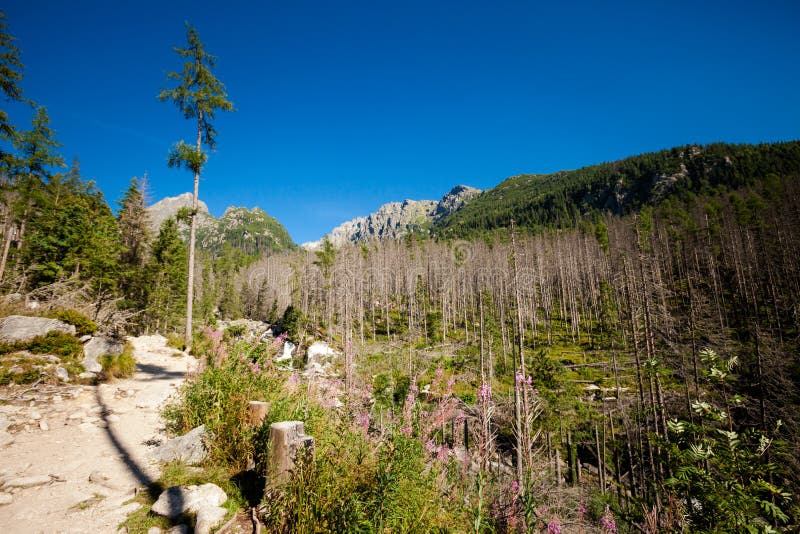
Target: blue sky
[345,105]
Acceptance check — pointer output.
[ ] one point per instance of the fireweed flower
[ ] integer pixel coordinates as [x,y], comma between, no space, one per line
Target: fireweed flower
[554,526]
[608,523]
[485,392]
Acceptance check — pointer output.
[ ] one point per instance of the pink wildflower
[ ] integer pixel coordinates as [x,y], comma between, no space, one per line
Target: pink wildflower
[485,392]
[554,526]
[406,430]
[443,454]
[607,522]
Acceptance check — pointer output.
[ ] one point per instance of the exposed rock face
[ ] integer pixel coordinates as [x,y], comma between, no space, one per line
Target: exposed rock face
[251,230]
[96,347]
[396,219]
[189,448]
[168,207]
[21,328]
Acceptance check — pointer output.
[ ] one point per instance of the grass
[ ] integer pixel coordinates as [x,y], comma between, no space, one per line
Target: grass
[88,503]
[119,365]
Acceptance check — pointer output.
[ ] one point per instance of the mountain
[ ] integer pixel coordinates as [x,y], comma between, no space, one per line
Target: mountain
[555,200]
[396,219]
[251,230]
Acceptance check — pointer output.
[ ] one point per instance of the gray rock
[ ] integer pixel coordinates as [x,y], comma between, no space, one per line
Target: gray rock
[85,338]
[96,347]
[62,375]
[179,529]
[87,374]
[6,498]
[189,448]
[16,370]
[5,422]
[5,438]
[154,530]
[102,479]
[203,501]
[44,426]
[28,482]
[21,328]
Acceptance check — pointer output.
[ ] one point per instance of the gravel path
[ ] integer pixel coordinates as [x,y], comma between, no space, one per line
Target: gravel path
[79,452]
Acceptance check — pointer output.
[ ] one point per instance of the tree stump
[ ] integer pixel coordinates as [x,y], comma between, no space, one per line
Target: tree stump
[288,442]
[256,412]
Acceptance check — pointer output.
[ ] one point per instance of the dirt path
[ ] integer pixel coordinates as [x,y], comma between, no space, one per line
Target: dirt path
[79,452]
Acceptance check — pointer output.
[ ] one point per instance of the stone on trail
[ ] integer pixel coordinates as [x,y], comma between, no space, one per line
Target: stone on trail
[5,438]
[189,448]
[62,375]
[203,501]
[28,482]
[6,498]
[96,347]
[21,328]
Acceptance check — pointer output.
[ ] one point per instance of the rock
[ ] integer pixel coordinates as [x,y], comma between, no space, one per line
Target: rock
[57,398]
[4,422]
[87,427]
[208,517]
[44,426]
[85,338]
[5,498]
[96,347]
[154,530]
[5,438]
[21,328]
[16,370]
[189,448]
[88,374]
[76,415]
[203,501]
[35,415]
[28,482]
[102,479]
[179,529]
[62,375]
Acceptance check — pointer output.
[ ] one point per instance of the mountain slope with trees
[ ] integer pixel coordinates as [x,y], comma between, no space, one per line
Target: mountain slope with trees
[676,175]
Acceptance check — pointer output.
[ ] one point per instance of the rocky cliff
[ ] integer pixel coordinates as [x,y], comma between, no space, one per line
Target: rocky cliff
[396,219]
[250,230]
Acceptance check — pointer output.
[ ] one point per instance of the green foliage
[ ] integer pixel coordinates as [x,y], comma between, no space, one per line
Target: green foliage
[57,343]
[83,325]
[166,273]
[626,186]
[119,365]
[292,322]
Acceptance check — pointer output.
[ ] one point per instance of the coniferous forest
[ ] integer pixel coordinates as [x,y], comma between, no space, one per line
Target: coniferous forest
[609,349]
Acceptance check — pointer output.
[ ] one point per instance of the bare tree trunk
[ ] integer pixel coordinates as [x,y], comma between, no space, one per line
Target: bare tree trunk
[192,237]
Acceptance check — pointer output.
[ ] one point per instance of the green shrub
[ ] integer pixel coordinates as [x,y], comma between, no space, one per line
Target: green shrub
[83,325]
[176,341]
[234,332]
[119,365]
[58,343]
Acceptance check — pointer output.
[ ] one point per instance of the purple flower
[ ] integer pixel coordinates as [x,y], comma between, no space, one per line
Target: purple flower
[607,522]
[485,392]
[406,430]
[515,487]
[554,526]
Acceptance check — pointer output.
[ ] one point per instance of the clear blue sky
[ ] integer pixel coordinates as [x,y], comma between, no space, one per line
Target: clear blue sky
[344,105]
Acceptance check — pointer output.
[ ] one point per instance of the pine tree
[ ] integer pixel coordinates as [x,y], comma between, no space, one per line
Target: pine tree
[32,169]
[10,77]
[134,225]
[166,274]
[198,95]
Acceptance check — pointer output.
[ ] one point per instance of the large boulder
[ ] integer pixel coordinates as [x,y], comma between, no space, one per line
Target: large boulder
[189,448]
[96,347]
[21,328]
[203,501]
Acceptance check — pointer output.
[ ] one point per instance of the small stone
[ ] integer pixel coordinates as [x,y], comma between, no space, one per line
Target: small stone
[76,415]
[43,425]
[57,398]
[154,530]
[6,498]
[85,338]
[28,482]
[179,529]
[130,392]
[189,448]
[35,415]
[87,427]
[16,370]
[90,419]
[103,479]
[112,418]
[87,375]
[4,422]
[62,375]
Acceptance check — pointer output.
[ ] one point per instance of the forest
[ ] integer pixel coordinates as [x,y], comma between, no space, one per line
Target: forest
[613,348]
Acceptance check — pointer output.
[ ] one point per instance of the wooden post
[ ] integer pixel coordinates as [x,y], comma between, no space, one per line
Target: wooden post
[256,412]
[287,441]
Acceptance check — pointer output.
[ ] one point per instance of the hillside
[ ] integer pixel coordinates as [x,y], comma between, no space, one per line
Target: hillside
[620,187]
[252,231]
